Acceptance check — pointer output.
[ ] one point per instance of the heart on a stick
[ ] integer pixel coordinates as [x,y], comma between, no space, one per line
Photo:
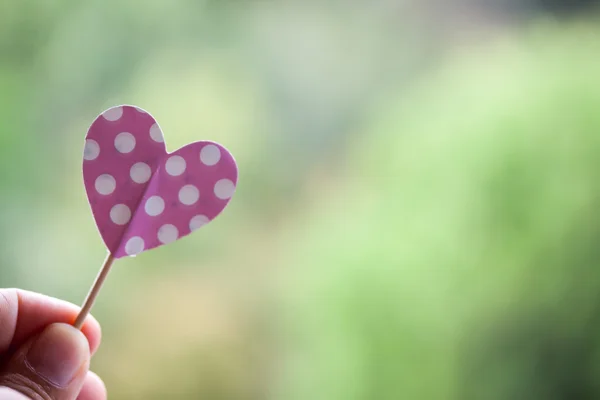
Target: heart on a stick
[143,197]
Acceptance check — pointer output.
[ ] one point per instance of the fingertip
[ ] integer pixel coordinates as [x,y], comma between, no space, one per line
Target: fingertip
[9,310]
[93,332]
[51,365]
[59,355]
[36,311]
[93,388]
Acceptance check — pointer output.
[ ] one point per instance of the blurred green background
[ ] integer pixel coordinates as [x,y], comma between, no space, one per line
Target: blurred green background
[418,213]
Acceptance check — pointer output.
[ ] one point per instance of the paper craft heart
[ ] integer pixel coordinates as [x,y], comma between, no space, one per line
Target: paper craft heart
[143,197]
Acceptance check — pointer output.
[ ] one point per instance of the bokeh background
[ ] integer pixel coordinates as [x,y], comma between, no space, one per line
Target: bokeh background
[418,214]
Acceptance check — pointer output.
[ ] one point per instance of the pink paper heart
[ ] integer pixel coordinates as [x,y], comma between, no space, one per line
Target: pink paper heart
[143,197]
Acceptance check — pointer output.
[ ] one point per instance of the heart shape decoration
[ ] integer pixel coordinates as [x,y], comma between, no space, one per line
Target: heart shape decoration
[143,197]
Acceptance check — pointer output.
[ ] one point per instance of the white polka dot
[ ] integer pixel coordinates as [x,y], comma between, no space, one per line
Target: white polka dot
[210,155]
[134,246]
[168,233]
[189,195]
[91,150]
[156,133]
[113,114]
[198,222]
[141,110]
[224,189]
[175,166]
[125,142]
[140,172]
[120,214]
[155,205]
[105,184]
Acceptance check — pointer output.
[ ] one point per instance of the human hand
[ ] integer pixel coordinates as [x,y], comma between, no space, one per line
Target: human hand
[42,357]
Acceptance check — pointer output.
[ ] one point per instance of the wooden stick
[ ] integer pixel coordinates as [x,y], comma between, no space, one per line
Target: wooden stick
[91,297]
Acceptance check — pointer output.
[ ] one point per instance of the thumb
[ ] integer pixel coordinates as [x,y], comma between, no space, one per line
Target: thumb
[50,366]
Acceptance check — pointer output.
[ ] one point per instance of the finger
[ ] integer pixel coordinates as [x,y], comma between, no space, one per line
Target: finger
[51,366]
[9,394]
[93,388]
[23,314]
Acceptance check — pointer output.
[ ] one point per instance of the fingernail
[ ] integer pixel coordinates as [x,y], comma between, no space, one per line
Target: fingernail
[58,354]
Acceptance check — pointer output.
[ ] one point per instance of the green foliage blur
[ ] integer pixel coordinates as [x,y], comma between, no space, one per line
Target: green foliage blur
[418,208]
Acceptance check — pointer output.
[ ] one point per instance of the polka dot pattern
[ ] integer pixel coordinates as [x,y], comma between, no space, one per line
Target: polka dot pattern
[189,195]
[120,214]
[154,206]
[134,246]
[143,197]
[198,222]
[175,165]
[140,172]
[125,142]
[210,155]
[105,184]
[224,189]
[91,150]
[113,114]
[156,134]
[168,233]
